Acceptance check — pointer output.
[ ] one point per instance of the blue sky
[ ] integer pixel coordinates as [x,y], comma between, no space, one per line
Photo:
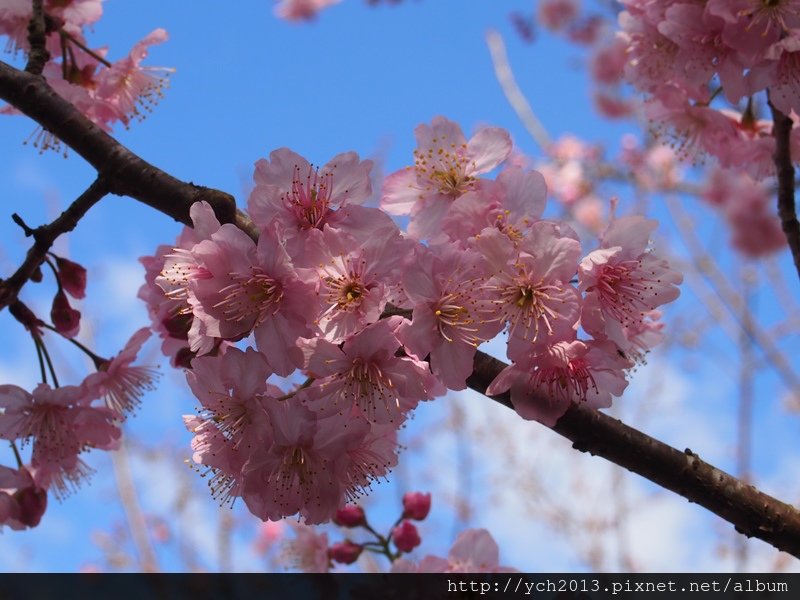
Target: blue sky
[358,78]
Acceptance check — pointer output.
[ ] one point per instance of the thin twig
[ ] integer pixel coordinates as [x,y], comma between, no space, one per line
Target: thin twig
[515,97]
[45,236]
[37,38]
[782,130]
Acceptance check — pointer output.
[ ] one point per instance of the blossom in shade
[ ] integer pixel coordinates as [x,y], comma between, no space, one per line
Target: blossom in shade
[545,384]
[60,424]
[365,373]
[308,551]
[165,290]
[22,501]
[510,204]
[446,166]
[405,536]
[120,382]
[303,468]
[416,505]
[236,287]
[230,389]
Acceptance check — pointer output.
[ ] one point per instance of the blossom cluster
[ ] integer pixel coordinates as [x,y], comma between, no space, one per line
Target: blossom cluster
[310,551]
[368,321]
[61,423]
[684,55]
[106,92]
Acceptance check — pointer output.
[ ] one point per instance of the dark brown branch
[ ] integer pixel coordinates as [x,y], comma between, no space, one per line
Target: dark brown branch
[752,512]
[37,38]
[45,236]
[782,130]
[125,172]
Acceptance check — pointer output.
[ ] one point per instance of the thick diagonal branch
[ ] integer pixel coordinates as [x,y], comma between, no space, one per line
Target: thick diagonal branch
[782,130]
[125,172]
[751,512]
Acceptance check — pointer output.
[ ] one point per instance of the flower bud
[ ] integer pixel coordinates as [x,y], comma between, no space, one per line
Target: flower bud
[345,552]
[351,515]
[416,505]
[406,537]
[72,277]
[66,319]
[32,502]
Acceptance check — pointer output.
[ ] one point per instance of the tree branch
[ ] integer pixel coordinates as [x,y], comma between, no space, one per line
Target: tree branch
[125,172]
[751,512]
[45,236]
[782,130]
[37,38]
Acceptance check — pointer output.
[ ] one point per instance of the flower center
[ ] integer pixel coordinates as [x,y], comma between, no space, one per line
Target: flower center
[250,296]
[310,198]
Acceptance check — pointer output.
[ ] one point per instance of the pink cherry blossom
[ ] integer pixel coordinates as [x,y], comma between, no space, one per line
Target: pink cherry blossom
[557,14]
[353,280]
[453,310]
[60,424]
[531,280]
[165,290]
[122,384]
[546,383]
[623,279]
[351,515]
[308,551]
[236,287]
[127,86]
[302,197]
[22,501]
[367,374]
[229,389]
[72,277]
[474,551]
[446,166]
[304,468]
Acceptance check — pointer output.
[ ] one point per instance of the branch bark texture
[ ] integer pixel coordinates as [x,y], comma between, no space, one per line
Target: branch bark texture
[782,130]
[753,513]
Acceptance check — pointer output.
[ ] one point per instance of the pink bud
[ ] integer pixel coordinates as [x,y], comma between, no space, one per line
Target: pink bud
[72,277]
[351,515]
[345,552]
[66,319]
[406,537]
[416,505]
[32,503]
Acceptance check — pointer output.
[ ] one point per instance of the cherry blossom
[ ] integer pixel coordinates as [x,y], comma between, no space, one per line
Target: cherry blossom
[446,166]
[122,384]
